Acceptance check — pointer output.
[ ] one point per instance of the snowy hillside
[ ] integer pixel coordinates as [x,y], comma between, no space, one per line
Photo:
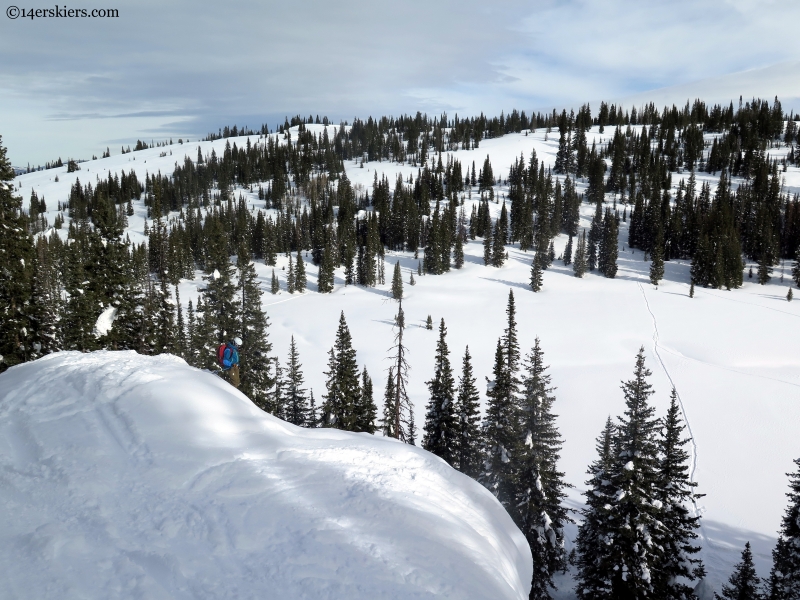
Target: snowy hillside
[733,357]
[127,476]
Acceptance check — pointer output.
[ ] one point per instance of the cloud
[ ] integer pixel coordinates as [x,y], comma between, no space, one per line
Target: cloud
[189,67]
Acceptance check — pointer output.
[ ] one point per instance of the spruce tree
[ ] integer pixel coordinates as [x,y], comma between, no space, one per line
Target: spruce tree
[536,273]
[593,543]
[441,420]
[540,487]
[487,246]
[300,279]
[458,252]
[343,389]
[784,578]
[580,265]
[290,282]
[254,360]
[568,252]
[468,438]
[635,516]
[657,257]
[610,245]
[400,418]
[498,247]
[796,268]
[16,249]
[397,282]
[297,409]
[274,285]
[789,295]
[500,425]
[388,420]
[675,491]
[744,583]
[365,411]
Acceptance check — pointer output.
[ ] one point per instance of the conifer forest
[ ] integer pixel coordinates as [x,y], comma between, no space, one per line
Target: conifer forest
[588,312]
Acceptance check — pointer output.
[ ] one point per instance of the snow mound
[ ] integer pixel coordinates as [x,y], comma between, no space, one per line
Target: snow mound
[132,476]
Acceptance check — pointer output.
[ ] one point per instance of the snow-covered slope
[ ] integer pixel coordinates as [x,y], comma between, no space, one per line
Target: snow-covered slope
[125,476]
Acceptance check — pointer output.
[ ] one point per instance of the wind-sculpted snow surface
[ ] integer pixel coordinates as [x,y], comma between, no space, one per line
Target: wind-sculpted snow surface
[131,476]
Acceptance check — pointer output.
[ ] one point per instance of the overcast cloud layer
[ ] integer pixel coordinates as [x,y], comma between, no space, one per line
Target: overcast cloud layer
[71,87]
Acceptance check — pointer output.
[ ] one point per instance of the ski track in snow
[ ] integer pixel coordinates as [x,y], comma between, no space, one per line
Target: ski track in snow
[706,540]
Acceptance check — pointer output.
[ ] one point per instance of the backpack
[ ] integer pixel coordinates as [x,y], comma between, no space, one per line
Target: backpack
[221,354]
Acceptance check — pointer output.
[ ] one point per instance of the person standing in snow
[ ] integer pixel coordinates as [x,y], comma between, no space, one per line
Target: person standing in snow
[228,358]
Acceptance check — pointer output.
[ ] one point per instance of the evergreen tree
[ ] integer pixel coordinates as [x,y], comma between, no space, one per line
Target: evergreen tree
[388,420]
[297,408]
[580,265]
[743,583]
[635,517]
[609,245]
[568,252]
[789,295]
[500,426]
[657,256]
[784,579]
[540,485]
[274,285]
[165,320]
[679,526]
[366,411]
[300,279]
[498,247]
[458,252]
[16,249]
[398,423]
[441,421]
[290,283]
[536,273]
[796,268]
[254,361]
[397,282]
[629,520]
[343,389]
[593,543]
[468,412]
[487,246]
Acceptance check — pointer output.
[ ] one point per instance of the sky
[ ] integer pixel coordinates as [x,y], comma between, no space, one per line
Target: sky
[70,87]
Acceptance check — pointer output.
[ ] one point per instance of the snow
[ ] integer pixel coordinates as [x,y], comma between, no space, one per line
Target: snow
[105,321]
[131,476]
[733,356]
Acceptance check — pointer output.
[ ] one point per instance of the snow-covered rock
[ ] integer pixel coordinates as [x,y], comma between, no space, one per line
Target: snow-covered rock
[132,476]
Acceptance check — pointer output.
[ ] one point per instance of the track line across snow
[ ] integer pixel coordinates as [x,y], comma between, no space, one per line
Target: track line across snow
[666,371]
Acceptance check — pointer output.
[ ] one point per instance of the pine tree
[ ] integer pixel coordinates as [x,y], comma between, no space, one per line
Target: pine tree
[397,282]
[500,425]
[796,268]
[342,385]
[441,424]
[290,285]
[536,273]
[365,411]
[400,418]
[254,360]
[388,420]
[635,516]
[580,265]
[300,279]
[691,290]
[429,323]
[610,245]
[297,409]
[165,320]
[487,246]
[679,527]
[458,252]
[468,412]
[657,257]
[540,487]
[498,247]
[274,285]
[784,579]
[568,252]
[593,543]
[743,583]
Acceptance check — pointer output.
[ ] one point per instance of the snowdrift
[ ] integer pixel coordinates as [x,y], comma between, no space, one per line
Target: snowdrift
[132,476]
